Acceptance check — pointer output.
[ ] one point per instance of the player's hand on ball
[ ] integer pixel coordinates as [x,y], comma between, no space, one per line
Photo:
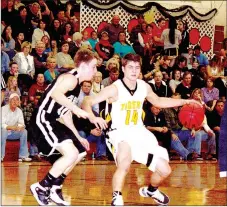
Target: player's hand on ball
[85,143]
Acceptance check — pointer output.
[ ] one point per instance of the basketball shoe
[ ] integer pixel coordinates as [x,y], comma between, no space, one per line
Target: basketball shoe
[40,193]
[117,199]
[56,195]
[158,196]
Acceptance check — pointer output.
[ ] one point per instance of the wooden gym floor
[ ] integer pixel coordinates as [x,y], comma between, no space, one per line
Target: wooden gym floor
[192,183]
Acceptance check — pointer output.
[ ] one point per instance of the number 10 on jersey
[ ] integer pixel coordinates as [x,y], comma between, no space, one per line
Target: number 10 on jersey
[131,116]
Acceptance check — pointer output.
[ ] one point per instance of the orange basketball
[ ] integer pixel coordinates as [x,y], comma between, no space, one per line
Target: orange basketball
[191,116]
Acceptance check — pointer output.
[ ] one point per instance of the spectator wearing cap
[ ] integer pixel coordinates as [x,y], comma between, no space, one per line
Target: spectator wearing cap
[113,29]
[13,127]
[104,47]
[202,59]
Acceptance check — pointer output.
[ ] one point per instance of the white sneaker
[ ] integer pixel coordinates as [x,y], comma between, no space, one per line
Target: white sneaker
[25,159]
[40,193]
[158,196]
[117,200]
[56,196]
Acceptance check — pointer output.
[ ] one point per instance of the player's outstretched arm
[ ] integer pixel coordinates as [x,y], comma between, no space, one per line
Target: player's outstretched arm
[164,102]
[108,93]
[65,83]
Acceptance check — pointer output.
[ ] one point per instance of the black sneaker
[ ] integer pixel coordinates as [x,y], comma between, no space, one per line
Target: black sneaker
[56,196]
[199,158]
[191,156]
[40,193]
[211,157]
[158,196]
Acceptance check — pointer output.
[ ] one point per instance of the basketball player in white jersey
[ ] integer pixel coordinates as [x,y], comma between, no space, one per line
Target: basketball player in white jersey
[57,131]
[128,137]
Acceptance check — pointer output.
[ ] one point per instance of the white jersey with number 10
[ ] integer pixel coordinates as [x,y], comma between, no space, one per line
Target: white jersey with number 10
[128,109]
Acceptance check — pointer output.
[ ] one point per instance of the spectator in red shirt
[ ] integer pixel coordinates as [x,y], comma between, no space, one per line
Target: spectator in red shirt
[157,32]
[37,89]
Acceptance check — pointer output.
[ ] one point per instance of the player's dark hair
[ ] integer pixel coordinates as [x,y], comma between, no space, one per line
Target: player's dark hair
[130,57]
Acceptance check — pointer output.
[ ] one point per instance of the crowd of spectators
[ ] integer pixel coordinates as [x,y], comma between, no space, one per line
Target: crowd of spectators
[39,42]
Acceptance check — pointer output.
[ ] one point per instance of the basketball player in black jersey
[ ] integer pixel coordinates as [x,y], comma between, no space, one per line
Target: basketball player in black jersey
[57,131]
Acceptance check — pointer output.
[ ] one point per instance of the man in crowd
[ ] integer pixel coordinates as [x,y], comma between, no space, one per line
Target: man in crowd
[13,127]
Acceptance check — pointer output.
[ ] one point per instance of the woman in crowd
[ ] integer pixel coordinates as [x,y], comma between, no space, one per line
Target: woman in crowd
[176,80]
[35,14]
[210,94]
[145,38]
[39,32]
[85,41]
[76,44]
[51,73]
[223,51]
[122,47]
[64,60]
[171,38]
[23,24]
[93,40]
[19,41]
[9,42]
[184,44]
[53,48]
[216,72]
[55,31]
[46,40]
[67,33]
[8,13]
[111,63]
[25,64]
[12,87]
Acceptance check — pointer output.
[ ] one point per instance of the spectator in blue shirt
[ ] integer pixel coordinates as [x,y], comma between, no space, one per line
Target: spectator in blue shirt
[86,91]
[4,60]
[93,40]
[121,47]
[202,59]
